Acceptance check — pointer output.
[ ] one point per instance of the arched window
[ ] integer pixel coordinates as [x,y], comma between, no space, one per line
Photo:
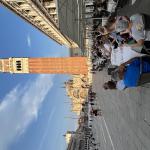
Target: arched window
[18,65]
[18,69]
[18,62]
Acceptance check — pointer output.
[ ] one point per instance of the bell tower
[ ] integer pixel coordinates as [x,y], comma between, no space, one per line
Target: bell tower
[67,65]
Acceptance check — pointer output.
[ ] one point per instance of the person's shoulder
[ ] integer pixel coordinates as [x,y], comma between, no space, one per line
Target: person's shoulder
[136,16]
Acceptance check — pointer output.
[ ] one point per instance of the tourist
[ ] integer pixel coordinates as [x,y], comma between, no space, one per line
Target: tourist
[135,27]
[130,74]
[96,112]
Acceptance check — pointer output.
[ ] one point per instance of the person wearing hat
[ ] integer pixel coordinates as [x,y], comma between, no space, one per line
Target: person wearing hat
[135,27]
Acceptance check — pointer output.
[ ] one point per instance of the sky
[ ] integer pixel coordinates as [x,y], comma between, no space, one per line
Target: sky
[33,108]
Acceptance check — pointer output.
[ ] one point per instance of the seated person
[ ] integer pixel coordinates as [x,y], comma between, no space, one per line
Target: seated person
[117,39]
[135,27]
[129,75]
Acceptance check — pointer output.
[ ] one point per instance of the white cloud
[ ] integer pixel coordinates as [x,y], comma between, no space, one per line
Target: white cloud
[20,107]
[47,128]
[29,40]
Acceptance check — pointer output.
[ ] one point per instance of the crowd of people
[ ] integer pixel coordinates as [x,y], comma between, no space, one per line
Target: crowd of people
[90,138]
[122,41]
[94,112]
[91,109]
[99,57]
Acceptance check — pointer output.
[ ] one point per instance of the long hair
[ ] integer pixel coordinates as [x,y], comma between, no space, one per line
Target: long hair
[109,85]
[109,24]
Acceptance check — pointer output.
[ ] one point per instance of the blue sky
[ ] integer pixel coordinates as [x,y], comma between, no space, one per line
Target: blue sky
[32,107]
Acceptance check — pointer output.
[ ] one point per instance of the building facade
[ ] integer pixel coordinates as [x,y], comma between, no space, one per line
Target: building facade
[68,65]
[77,90]
[78,140]
[43,15]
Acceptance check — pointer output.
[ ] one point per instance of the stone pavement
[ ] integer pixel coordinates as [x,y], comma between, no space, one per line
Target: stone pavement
[125,123]
[140,6]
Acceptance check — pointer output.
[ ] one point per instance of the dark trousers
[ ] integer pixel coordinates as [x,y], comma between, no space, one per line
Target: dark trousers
[146,48]
[147,44]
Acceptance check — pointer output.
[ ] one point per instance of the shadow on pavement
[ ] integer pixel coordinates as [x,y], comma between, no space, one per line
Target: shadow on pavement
[122,3]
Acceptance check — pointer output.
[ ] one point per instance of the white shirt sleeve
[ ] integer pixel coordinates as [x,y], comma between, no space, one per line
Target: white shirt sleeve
[120,85]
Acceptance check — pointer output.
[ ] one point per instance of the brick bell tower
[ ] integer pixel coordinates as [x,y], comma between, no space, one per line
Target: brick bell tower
[67,65]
